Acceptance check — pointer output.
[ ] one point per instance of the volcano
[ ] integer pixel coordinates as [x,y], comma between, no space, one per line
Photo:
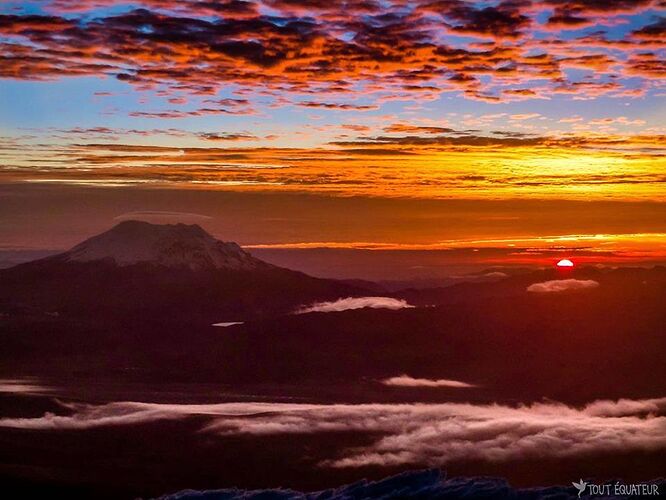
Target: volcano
[171,245]
[142,270]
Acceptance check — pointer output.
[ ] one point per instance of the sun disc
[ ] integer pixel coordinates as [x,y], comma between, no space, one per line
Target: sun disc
[565,263]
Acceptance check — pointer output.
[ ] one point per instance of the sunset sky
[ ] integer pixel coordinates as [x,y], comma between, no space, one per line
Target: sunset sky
[524,127]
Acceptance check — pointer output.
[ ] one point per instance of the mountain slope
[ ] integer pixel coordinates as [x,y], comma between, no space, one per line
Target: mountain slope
[145,271]
[171,245]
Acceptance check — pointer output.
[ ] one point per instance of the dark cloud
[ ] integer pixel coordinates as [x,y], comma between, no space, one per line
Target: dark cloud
[580,13]
[448,140]
[407,128]
[656,30]
[567,19]
[503,20]
[227,107]
[212,136]
[624,6]
[331,105]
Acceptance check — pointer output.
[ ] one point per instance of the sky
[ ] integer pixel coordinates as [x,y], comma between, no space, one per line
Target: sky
[375,125]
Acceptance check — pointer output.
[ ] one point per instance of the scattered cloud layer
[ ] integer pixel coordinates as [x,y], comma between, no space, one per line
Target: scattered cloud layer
[431,434]
[407,381]
[555,286]
[512,163]
[356,303]
[343,48]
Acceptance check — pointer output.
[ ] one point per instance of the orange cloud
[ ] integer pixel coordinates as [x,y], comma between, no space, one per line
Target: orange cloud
[381,51]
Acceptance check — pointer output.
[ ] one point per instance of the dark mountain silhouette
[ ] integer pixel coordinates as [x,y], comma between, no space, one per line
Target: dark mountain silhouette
[429,484]
[620,280]
[140,300]
[177,246]
[143,270]
[574,346]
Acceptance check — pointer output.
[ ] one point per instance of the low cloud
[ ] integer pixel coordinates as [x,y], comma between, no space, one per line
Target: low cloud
[162,216]
[561,285]
[407,381]
[496,275]
[86,416]
[22,386]
[356,303]
[339,106]
[430,434]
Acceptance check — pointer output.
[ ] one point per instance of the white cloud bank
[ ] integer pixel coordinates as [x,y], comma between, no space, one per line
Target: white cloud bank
[561,285]
[407,381]
[356,303]
[22,386]
[431,434]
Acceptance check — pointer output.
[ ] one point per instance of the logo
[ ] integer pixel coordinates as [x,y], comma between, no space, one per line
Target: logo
[616,489]
[580,487]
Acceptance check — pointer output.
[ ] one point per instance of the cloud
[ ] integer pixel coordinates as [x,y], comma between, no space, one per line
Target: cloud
[524,116]
[163,216]
[501,21]
[356,303]
[369,49]
[243,136]
[496,275]
[416,433]
[407,381]
[354,127]
[416,129]
[561,285]
[22,386]
[176,114]
[87,416]
[657,29]
[448,141]
[343,106]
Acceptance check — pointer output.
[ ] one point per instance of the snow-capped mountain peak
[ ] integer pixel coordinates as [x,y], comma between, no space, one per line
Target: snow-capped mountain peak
[170,245]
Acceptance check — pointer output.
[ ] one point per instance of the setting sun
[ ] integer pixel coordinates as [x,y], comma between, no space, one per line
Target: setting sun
[212,209]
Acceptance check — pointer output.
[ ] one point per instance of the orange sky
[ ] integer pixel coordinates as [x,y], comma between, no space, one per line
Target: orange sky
[599,167]
[514,128]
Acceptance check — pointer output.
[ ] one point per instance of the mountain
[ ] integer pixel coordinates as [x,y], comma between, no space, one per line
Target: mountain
[630,281]
[140,300]
[604,340]
[149,271]
[425,484]
[171,245]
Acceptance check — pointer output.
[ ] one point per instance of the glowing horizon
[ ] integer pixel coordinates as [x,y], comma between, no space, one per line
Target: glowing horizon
[493,102]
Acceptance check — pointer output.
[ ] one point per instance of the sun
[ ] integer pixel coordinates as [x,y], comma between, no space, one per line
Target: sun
[565,263]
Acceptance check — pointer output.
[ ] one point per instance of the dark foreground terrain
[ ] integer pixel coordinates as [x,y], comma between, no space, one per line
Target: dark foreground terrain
[572,346]
[117,383]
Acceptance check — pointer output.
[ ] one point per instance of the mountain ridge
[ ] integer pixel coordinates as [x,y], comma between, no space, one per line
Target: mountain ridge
[168,245]
[173,271]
